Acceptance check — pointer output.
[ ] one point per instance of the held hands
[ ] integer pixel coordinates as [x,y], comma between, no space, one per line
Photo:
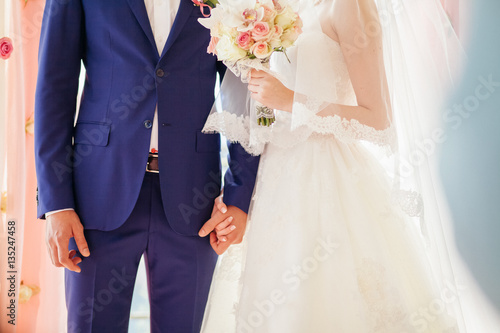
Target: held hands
[269,91]
[226,226]
[60,228]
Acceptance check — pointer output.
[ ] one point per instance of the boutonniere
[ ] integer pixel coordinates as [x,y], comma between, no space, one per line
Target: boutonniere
[206,4]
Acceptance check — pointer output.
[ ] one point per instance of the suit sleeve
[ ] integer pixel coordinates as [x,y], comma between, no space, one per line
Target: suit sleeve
[60,55]
[239,180]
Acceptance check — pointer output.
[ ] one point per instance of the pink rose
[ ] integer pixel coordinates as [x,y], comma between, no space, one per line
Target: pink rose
[244,40]
[261,31]
[261,50]
[6,48]
[213,44]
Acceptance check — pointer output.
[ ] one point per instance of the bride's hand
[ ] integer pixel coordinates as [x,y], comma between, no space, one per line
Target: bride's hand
[269,91]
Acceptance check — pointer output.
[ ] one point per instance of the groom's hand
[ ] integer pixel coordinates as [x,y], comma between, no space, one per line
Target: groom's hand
[226,228]
[61,227]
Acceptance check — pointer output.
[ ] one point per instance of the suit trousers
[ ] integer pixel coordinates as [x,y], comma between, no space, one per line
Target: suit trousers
[179,272]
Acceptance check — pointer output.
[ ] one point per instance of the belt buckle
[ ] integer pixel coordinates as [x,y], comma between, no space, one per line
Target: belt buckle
[151,155]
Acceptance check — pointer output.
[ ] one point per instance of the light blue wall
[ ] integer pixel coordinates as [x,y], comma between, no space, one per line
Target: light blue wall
[470,158]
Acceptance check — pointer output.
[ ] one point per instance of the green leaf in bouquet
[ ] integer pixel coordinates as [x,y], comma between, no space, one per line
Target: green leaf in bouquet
[212,3]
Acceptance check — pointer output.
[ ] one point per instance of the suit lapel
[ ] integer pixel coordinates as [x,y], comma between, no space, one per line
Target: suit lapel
[185,9]
[139,9]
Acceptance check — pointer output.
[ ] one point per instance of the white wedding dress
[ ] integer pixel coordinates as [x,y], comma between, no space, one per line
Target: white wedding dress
[327,249]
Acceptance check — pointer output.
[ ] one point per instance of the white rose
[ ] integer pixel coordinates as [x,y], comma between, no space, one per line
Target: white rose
[275,43]
[216,31]
[289,37]
[227,49]
[286,18]
[232,32]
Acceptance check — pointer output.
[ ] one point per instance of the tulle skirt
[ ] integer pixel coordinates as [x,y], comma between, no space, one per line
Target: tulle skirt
[326,250]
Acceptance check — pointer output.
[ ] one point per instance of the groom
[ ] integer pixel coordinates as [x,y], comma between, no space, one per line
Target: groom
[131,173]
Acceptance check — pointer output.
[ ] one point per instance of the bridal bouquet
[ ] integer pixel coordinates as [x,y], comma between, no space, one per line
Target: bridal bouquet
[245,33]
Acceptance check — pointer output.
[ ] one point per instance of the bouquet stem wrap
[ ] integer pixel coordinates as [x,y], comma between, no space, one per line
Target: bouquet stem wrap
[265,115]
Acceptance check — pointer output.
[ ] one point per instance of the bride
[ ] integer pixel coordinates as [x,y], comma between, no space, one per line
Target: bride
[337,238]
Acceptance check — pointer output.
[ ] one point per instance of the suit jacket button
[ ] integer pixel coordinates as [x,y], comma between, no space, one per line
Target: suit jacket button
[160,72]
[148,124]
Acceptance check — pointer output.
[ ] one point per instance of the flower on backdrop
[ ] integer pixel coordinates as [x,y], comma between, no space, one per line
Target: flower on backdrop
[27,291]
[30,125]
[6,48]
[3,204]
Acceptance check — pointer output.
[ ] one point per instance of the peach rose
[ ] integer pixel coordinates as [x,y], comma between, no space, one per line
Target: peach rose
[261,50]
[278,31]
[299,25]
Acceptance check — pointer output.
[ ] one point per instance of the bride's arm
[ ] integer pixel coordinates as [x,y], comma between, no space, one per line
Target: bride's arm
[355,24]
[357,27]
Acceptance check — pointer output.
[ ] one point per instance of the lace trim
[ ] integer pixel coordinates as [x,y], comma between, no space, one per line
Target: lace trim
[235,128]
[347,131]
[353,130]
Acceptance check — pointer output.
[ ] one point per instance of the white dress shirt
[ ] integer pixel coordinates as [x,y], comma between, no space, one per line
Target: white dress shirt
[161,15]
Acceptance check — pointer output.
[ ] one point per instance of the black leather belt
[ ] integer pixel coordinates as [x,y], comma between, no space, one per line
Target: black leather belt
[152,165]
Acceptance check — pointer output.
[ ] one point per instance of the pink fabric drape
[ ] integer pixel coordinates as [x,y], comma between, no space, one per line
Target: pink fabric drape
[452,8]
[14,139]
[44,312]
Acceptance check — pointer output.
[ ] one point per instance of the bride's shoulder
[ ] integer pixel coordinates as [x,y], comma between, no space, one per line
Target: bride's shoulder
[352,7]
[347,14]
[324,10]
[342,17]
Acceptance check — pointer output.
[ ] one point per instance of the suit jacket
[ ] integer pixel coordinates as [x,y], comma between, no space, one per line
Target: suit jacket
[97,166]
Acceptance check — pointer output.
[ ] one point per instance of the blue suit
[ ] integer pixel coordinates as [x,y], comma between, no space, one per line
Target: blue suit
[98,166]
